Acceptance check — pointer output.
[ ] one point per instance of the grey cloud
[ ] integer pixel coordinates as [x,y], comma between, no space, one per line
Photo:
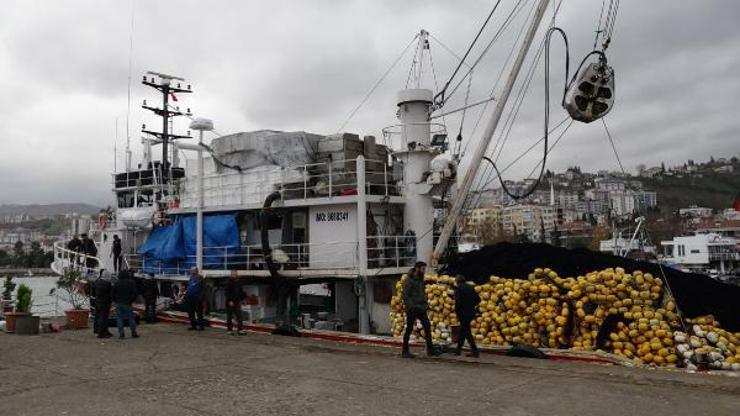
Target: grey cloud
[306,64]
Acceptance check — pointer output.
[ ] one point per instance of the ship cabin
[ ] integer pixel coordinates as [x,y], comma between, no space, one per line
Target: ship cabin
[343,215]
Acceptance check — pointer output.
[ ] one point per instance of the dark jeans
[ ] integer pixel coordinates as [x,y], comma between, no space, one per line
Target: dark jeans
[232,311]
[411,318]
[195,312]
[102,312]
[150,311]
[125,312]
[116,261]
[466,334]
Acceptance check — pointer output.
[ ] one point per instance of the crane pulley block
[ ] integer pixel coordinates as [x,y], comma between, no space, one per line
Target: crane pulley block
[590,94]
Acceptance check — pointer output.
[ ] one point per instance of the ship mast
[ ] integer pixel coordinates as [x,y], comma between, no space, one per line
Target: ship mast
[164,84]
[467,183]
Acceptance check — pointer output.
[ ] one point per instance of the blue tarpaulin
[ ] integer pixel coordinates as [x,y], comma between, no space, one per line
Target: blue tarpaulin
[171,248]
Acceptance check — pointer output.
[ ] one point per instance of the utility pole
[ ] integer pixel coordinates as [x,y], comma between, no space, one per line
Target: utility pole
[165,85]
[485,140]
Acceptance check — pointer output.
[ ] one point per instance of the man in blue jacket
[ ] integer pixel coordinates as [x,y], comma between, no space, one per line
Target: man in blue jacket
[194,300]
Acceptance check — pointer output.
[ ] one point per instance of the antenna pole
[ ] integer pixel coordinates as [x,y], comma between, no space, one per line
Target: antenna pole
[485,140]
[115,149]
[128,93]
[163,83]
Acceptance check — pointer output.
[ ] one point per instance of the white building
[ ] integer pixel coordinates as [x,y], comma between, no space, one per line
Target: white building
[529,220]
[706,253]
[620,246]
[623,202]
[695,212]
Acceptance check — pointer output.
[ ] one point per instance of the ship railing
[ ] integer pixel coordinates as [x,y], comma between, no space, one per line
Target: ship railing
[338,178]
[391,251]
[131,261]
[724,256]
[329,178]
[65,258]
[393,135]
[300,256]
[383,251]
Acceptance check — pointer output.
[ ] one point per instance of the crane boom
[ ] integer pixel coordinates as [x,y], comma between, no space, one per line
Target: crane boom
[467,183]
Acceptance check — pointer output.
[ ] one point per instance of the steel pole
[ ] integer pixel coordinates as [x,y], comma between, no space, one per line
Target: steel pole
[199,210]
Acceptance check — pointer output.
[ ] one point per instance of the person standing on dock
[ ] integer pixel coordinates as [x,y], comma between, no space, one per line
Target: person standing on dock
[150,292]
[415,299]
[194,300]
[124,294]
[103,291]
[466,304]
[115,252]
[234,297]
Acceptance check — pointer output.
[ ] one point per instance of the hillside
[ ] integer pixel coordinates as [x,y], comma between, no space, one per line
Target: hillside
[47,209]
[712,190]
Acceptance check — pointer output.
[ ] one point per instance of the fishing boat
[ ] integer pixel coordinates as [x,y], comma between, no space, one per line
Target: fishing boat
[349,211]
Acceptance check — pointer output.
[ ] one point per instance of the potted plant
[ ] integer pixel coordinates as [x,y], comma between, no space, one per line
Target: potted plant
[25,323]
[7,300]
[73,288]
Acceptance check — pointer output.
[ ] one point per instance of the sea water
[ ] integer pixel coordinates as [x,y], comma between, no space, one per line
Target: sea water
[44,304]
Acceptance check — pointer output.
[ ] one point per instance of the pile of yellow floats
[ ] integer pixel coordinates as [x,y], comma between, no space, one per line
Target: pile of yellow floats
[549,311]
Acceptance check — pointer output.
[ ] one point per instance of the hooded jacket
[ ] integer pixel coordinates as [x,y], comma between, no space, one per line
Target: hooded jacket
[103,291]
[124,291]
[466,302]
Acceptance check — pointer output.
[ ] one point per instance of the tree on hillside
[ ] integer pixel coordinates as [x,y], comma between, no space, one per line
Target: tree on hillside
[36,256]
[599,233]
[5,259]
[18,254]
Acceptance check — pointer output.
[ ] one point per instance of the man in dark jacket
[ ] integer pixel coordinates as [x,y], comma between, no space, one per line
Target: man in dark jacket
[103,292]
[194,300]
[115,252]
[150,292]
[466,305]
[74,244]
[234,297]
[90,250]
[124,294]
[415,300]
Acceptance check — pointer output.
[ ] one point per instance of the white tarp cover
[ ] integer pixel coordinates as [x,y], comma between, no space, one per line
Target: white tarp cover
[234,188]
[248,150]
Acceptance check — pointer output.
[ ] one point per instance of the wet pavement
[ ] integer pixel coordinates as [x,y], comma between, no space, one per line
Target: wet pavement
[172,371]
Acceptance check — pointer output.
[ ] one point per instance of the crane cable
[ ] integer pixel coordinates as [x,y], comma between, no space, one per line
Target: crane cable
[645,227]
[440,97]
[377,84]
[534,186]
[513,114]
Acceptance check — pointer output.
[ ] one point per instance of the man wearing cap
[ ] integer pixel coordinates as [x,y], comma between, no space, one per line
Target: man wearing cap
[415,299]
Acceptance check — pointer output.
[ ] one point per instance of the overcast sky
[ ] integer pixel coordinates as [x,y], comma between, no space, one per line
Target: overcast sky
[304,65]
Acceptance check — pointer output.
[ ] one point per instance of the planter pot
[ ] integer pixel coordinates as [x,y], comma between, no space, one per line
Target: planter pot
[7,306]
[27,325]
[10,320]
[77,318]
